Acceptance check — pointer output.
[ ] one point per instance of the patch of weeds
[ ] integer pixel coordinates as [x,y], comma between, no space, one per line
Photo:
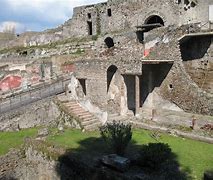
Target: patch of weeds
[49,150]
[183,128]
[79,51]
[68,63]
[156,135]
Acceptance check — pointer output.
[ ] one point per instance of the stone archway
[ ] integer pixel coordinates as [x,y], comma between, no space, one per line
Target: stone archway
[154,19]
[116,92]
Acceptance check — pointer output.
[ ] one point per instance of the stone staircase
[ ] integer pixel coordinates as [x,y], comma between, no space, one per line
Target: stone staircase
[86,120]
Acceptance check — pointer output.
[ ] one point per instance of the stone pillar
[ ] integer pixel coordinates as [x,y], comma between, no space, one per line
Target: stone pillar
[137,94]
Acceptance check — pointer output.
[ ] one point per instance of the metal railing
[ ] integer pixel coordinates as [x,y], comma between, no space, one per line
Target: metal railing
[32,95]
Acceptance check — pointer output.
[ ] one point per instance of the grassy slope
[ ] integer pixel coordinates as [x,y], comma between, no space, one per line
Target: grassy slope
[10,140]
[194,156]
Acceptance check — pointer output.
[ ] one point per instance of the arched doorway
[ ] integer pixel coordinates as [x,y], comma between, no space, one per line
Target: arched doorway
[154,19]
[110,73]
[152,22]
[116,92]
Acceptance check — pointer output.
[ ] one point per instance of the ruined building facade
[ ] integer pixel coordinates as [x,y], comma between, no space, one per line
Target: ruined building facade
[145,57]
[117,15]
[160,61]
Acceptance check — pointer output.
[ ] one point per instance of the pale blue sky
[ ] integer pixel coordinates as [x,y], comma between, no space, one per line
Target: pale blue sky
[37,15]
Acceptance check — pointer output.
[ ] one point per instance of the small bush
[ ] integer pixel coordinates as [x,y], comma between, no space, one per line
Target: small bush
[153,155]
[117,135]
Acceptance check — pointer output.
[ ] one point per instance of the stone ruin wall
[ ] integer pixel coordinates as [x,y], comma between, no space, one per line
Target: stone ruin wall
[127,15]
[180,86]
[45,113]
[170,90]
[124,15]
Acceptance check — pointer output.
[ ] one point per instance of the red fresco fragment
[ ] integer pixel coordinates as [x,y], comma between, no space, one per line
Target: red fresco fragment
[10,82]
[146,52]
[35,79]
[68,68]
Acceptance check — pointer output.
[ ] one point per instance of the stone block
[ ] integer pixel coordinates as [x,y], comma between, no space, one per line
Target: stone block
[116,162]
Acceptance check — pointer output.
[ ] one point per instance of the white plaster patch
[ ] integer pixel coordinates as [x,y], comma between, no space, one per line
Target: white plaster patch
[72,87]
[101,115]
[151,44]
[211,13]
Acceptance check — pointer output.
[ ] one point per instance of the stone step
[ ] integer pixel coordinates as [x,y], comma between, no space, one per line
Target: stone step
[82,113]
[79,111]
[110,116]
[86,123]
[84,116]
[72,102]
[69,103]
[73,106]
[76,108]
[93,126]
[114,117]
[87,120]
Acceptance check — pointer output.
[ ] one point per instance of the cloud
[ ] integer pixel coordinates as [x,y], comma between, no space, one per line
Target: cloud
[39,14]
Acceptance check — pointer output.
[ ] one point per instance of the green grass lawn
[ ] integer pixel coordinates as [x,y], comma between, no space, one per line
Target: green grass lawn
[10,140]
[193,156]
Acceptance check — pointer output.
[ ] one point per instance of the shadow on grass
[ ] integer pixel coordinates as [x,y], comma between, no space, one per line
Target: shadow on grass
[84,163]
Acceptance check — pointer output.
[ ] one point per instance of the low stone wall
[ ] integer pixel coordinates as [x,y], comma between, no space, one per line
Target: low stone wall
[40,113]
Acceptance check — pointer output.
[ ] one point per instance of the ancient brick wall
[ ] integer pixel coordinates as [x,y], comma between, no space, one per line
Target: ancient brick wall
[180,86]
[116,16]
[121,15]
[43,112]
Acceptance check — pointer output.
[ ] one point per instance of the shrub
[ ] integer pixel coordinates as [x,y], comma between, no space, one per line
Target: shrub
[117,135]
[153,155]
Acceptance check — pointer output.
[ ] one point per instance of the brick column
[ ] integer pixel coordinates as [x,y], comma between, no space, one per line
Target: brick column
[137,94]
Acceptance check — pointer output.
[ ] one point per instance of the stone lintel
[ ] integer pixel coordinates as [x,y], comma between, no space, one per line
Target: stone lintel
[157,61]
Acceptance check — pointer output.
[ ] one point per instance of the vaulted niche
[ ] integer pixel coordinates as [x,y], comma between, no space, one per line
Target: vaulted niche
[196,47]
[154,19]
